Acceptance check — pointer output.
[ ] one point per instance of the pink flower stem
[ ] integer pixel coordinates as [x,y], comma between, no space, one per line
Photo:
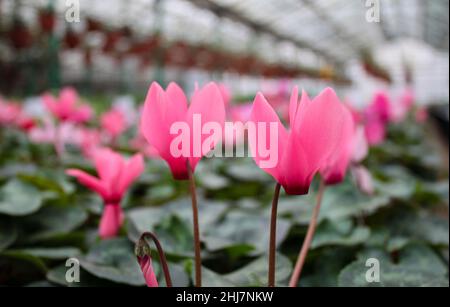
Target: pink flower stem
[162,256]
[198,259]
[309,236]
[273,236]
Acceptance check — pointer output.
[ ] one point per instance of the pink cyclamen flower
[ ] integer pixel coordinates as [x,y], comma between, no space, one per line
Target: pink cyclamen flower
[363,179]
[145,263]
[376,117]
[162,109]
[421,115]
[65,107]
[113,123]
[115,176]
[12,114]
[8,112]
[407,99]
[360,145]
[335,168]
[380,107]
[316,127]
[375,131]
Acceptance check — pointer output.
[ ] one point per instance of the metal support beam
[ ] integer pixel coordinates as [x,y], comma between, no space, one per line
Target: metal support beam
[232,14]
[335,26]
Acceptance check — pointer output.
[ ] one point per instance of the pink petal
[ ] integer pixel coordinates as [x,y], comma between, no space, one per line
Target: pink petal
[304,104]
[109,165]
[50,103]
[363,179]
[83,114]
[375,132]
[208,103]
[360,145]
[68,98]
[89,181]
[177,105]
[111,221]
[293,106]
[155,126]
[335,169]
[147,269]
[263,113]
[133,169]
[320,126]
[296,177]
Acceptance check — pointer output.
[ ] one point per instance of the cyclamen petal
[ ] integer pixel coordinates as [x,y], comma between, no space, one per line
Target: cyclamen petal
[64,107]
[261,117]
[336,166]
[89,181]
[207,103]
[145,263]
[111,221]
[131,170]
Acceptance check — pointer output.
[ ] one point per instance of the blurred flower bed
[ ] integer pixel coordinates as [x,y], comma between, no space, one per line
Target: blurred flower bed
[46,217]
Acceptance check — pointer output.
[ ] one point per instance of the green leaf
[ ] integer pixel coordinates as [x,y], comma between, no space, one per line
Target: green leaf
[113,260]
[339,233]
[418,266]
[244,228]
[8,233]
[19,199]
[421,226]
[246,170]
[213,279]
[53,221]
[57,253]
[21,256]
[346,200]
[255,273]
[57,276]
[52,182]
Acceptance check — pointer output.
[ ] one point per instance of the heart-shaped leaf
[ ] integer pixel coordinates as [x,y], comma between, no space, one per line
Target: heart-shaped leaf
[18,198]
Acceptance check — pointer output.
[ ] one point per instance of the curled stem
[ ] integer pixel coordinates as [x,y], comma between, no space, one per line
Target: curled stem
[273,235]
[142,249]
[308,239]
[198,259]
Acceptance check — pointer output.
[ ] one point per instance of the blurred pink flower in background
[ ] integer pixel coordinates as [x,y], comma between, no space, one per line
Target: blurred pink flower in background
[402,106]
[421,115]
[165,107]
[376,117]
[115,176]
[13,115]
[360,145]
[113,123]
[237,114]
[380,107]
[140,144]
[363,179]
[89,141]
[375,132]
[49,133]
[66,107]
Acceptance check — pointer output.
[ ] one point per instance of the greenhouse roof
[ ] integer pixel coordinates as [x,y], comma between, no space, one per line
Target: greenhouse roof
[313,32]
